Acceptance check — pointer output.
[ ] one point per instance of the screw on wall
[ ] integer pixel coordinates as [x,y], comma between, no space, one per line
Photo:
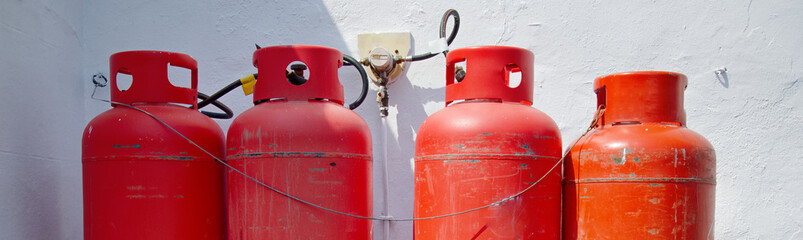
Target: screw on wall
[722,76]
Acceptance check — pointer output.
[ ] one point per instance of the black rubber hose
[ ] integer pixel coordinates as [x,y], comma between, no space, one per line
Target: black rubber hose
[227,113]
[295,79]
[221,92]
[353,62]
[442,34]
[422,56]
[348,60]
[453,13]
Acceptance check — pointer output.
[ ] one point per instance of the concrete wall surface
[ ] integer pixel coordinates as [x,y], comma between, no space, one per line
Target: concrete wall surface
[50,49]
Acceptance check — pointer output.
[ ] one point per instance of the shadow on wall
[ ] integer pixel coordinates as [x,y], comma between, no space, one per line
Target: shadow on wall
[34,194]
[722,77]
[411,116]
[39,126]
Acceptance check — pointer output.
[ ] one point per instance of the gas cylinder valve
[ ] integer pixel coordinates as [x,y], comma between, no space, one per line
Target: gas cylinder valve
[382,62]
[385,64]
[459,73]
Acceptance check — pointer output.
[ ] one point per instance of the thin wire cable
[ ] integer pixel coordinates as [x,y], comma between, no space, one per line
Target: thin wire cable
[226,164]
[332,210]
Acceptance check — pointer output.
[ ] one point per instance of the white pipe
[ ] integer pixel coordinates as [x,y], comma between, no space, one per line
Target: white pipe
[386,213]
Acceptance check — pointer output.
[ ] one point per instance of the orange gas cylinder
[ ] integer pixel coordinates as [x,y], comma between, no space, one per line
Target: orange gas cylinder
[299,139]
[488,144]
[640,173]
[141,179]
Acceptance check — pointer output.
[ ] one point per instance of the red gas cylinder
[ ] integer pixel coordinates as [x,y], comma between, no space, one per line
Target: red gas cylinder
[487,147]
[141,179]
[640,173]
[300,140]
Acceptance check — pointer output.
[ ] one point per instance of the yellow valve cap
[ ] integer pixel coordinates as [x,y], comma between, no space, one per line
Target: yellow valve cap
[248,84]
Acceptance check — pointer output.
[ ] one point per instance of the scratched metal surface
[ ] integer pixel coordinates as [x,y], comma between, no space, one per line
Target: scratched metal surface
[650,181]
[314,150]
[142,181]
[473,154]
[336,181]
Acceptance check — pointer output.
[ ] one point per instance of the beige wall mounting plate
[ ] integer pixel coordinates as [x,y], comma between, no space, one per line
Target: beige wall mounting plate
[397,43]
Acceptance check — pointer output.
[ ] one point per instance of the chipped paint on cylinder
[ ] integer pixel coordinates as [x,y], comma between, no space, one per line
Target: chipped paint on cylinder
[331,181]
[484,149]
[640,175]
[303,145]
[326,161]
[141,180]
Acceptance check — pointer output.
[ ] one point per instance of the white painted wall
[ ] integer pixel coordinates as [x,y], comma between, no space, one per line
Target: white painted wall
[41,99]
[50,49]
